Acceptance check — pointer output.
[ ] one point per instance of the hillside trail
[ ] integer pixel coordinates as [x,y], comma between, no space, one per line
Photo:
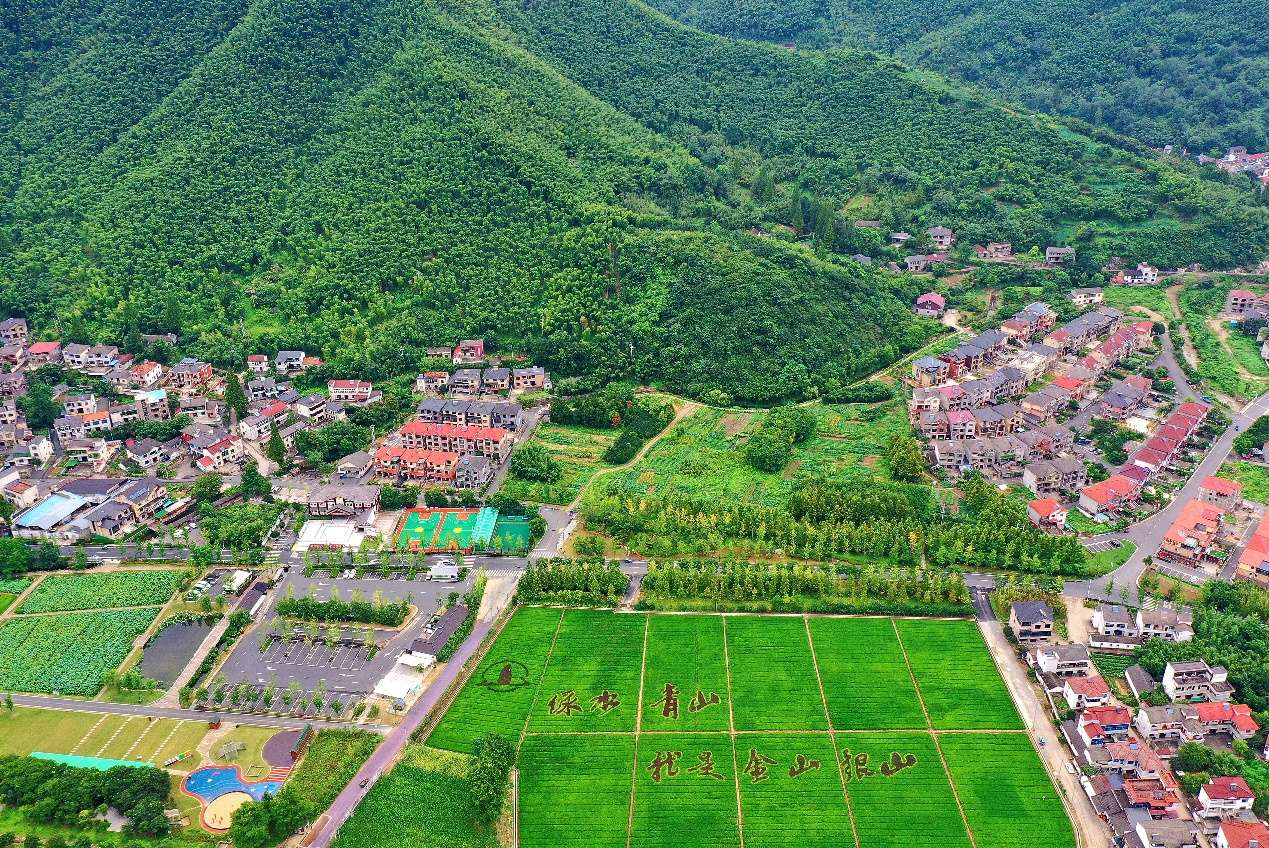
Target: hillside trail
[682,409]
[1221,329]
[1187,346]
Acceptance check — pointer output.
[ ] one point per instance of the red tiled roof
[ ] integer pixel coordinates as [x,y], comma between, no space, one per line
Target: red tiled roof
[1089,687]
[360,385]
[1044,507]
[1069,383]
[1238,715]
[932,297]
[1143,327]
[1107,715]
[1115,486]
[1241,293]
[423,429]
[1228,789]
[1163,445]
[959,416]
[1193,409]
[1221,486]
[274,409]
[1143,383]
[1240,834]
[1150,456]
[41,348]
[257,357]
[1136,473]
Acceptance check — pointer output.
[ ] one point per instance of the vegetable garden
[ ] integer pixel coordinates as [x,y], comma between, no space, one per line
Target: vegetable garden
[648,730]
[67,654]
[70,592]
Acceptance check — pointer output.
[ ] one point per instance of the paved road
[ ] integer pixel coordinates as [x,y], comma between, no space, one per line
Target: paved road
[1090,830]
[1147,533]
[398,737]
[52,703]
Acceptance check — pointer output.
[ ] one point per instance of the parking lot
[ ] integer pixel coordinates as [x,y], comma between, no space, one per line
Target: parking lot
[1103,546]
[344,666]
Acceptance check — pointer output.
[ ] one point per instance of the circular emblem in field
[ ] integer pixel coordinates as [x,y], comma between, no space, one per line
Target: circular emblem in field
[504,675]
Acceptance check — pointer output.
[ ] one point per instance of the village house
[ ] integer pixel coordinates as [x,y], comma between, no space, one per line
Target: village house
[75,356]
[354,465]
[189,374]
[344,500]
[221,453]
[102,357]
[1233,720]
[1172,625]
[492,442]
[80,404]
[1242,834]
[355,392]
[1047,514]
[12,385]
[288,361]
[1169,725]
[262,388]
[1183,681]
[469,351]
[1086,297]
[146,375]
[1196,538]
[465,381]
[508,415]
[432,383]
[929,371]
[1225,797]
[202,410]
[528,379]
[311,407]
[1108,496]
[1099,725]
[13,356]
[479,414]
[1044,404]
[472,472]
[404,463]
[43,353]
[1031,621]
[495,379]
[145,453]
[1058,660]
[1253,562]
[1054,476]
[941,237]
[1060,256]
[931,304]
[916,263]
[258,364]
[1143,275]
[1089,691]
[899,238]
[995,250]
[1114,628]
[13,331]
[1226,494]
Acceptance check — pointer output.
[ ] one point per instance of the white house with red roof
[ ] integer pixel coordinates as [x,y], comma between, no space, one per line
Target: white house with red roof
[469,351]
[146,374]
[930,305]
[258,363]
[221,453]
[1099,725]
[1221,797]
[1047,513]
[1224,717]
[1108,496]
[1242,834]
[1081,692]
[356,392]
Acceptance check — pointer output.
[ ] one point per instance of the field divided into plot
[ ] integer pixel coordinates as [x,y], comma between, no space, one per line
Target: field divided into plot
[69,592]
[758,765]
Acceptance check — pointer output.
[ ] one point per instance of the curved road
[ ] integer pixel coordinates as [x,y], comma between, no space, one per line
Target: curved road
[1147,533]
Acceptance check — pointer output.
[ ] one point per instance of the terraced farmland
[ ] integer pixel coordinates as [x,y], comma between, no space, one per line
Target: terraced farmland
[71,592]
[757,730]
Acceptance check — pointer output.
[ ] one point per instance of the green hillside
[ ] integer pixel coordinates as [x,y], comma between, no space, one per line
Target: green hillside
[1192,73]
[576,179]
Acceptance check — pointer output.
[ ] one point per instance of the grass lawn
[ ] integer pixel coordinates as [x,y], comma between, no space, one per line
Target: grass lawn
[251,759]
[1020,811]
[503,686]
[1104,562]
[956,676]
[1255,479]
[27,729]
[1124,298]
[422,803]
[578,450]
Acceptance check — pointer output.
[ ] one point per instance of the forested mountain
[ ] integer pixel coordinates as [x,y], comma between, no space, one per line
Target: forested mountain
[576,179]
[1184,72]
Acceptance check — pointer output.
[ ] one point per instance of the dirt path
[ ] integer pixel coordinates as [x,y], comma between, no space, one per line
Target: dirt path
[1221,329]
[682,409]
[1187,346]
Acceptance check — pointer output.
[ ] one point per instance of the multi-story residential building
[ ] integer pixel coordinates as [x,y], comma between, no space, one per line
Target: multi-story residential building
[1054,476]
[1226,494]
[492,442]
[1031,621]
[1225,797]
[1195,679]
[1059,660]
[469,351]
[1197,537]
[533,377]
[1089,691]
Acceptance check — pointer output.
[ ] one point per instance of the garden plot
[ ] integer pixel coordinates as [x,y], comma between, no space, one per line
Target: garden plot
[760,767]
[67,654]
[70,592]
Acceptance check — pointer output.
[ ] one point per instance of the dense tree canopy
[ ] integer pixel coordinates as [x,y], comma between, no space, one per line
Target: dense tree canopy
[576,180]
[1168,73]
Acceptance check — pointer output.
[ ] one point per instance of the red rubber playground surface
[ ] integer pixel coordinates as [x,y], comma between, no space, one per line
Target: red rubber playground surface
[436,529]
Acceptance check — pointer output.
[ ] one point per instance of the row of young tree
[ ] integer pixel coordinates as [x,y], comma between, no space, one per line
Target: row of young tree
[577,582]
[804,586]
[669,524]
[47,792]
[375,611]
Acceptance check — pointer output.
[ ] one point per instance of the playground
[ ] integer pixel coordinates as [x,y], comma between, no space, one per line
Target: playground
[265,755]
[425,530]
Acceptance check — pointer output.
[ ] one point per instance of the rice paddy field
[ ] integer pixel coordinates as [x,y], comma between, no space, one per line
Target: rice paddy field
[703,455]
[728,730]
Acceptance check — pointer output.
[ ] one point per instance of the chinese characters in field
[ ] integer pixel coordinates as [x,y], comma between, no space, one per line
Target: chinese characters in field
[759,767]
[565,703]
[668,703]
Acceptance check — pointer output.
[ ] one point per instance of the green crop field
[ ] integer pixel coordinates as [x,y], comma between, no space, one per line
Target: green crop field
[756,730]
[68,592]
[67,653]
